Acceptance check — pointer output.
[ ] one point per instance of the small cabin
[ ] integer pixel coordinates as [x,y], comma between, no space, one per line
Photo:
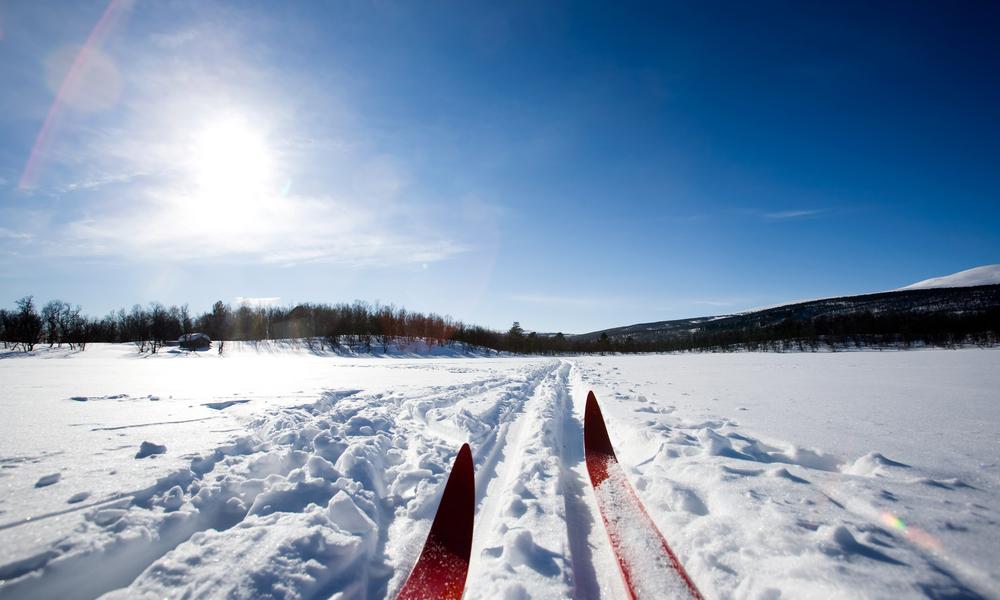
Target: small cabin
[194,341]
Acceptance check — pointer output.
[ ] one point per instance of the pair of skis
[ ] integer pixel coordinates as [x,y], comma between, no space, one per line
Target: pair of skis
[649,567]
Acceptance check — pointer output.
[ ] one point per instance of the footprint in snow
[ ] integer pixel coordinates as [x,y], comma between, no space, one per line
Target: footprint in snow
[149,449]
[224,405]
[48,480]
[521,549]
[78,497]
[944,484]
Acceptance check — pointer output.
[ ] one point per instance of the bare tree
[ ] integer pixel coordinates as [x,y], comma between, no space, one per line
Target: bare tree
[27,325]
[185,318]
[77,329]
[160,319]
[134,326]
[4,327]
[56,320]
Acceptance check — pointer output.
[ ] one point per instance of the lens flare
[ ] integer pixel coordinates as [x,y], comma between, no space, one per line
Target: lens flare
[914,534]
[71,82]
[893,521]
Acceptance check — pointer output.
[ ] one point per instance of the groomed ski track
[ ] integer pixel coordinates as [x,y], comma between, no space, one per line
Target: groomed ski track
[535,511]
[334,495]
[535,520]
[381,459]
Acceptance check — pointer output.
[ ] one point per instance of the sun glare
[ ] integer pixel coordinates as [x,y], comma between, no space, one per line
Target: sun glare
[231,161]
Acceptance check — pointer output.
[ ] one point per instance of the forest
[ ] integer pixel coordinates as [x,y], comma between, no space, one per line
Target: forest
[365,327]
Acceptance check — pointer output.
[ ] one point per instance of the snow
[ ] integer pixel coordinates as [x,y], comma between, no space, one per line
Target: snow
[294,471]
[985,275]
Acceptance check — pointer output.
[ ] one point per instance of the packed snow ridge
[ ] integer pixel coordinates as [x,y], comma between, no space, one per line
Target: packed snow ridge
[303,475]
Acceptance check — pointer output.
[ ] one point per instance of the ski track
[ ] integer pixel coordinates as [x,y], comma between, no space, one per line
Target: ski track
[520,543]
[337,496]
[711,468]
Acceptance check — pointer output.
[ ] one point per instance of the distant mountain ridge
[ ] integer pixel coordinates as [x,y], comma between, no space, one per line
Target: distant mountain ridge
[954,295]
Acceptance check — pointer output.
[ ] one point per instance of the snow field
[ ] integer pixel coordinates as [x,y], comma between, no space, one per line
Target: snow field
[297,474]
[753,515]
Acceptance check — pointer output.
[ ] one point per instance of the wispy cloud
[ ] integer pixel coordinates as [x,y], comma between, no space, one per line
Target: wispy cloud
[9,234]
[575,301]
[785,215]
[97,182]
[169,225]
[137,193]
[719,302]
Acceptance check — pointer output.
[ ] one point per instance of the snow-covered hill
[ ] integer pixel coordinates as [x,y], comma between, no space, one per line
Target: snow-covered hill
[985,275]
[916,298]
[302,475]
[918,306]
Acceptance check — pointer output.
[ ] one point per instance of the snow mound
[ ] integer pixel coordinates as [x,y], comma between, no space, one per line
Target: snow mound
[279,555]
[840,542]
[873,464]
[984,275]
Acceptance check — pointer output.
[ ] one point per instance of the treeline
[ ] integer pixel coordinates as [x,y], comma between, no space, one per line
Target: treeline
[57,323]
[861,329]
[368,327]
[361,326]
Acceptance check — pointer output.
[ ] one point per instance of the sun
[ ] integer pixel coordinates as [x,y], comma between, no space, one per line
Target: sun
[231,162]
[229,178]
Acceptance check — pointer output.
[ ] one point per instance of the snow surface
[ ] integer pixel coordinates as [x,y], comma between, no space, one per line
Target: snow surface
[985,275]
[293,472]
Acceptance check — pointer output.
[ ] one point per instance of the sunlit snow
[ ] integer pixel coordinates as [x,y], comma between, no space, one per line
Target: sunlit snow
[282,471]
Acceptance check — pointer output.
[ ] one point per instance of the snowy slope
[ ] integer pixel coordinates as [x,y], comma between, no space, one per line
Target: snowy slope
[985,275]
[297,474]
[919,298]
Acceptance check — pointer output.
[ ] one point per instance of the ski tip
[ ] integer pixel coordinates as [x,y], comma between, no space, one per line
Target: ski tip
[458,505]
[464,472]
[443,564]
[464,455]
[453,522]
[595,433]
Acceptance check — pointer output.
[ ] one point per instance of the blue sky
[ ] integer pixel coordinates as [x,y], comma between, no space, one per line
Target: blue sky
[572,166]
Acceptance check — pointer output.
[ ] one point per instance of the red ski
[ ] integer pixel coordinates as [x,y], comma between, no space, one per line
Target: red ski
[648,565]
[444,562]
